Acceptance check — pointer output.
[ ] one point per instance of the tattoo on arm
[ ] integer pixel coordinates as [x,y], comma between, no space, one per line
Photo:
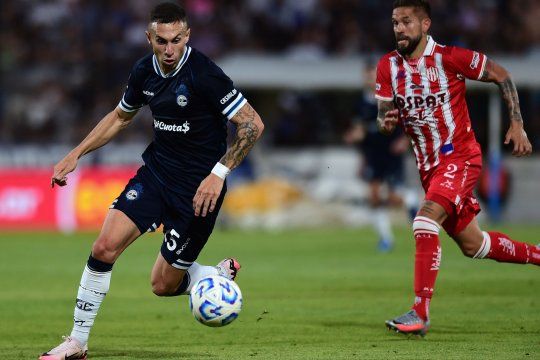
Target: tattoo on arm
[247,133]
[383,107]
[488,71]
[510,96]
[495,73]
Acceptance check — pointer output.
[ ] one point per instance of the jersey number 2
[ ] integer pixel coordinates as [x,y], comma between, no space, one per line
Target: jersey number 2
[452,168]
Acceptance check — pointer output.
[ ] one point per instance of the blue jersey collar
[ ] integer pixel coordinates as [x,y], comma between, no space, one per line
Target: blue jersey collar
[181,63]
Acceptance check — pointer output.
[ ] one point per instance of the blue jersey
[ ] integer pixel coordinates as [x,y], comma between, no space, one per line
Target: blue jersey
[190,106]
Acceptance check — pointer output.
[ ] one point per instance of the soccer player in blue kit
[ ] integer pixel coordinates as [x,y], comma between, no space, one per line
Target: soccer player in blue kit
[182,182]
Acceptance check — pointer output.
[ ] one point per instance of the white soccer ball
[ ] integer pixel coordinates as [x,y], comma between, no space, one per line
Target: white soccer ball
[215,301]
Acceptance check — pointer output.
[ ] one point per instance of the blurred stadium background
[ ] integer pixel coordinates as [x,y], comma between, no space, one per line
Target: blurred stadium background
[64,64]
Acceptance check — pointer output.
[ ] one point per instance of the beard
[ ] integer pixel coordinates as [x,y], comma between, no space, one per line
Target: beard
[412,44]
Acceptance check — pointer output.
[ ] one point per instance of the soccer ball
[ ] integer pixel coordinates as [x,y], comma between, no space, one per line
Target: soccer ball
[215,301]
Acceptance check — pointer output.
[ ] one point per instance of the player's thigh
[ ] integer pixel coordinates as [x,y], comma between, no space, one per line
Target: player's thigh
[117,233]
[184,233]
[450,186]
[136,210]
[142,201]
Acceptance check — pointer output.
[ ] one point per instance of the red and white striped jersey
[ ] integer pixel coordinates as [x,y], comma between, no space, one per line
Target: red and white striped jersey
[430,95]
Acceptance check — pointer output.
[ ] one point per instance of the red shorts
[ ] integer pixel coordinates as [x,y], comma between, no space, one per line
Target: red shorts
[451,184]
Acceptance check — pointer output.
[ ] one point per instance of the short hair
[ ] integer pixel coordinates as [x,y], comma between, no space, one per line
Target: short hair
[168,12]
[417,4]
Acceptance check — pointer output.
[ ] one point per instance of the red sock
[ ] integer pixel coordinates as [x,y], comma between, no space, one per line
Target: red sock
[426,264]
[504,249]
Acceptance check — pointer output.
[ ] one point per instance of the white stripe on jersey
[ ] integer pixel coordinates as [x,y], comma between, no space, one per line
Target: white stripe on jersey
[482,68]
[446,109]
[394,68]
[421,139]
[126,107]
[234,106]
[429,113]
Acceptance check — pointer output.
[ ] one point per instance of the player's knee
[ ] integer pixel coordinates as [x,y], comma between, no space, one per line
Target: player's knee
[469,243]
[102,250]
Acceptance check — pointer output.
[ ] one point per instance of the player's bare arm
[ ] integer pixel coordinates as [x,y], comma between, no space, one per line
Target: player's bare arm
[497,74]
[387,116]
[101,134]
[249,128]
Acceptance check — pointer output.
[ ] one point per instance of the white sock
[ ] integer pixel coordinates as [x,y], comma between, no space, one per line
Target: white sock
[92,290]
[197,272]
[381,221]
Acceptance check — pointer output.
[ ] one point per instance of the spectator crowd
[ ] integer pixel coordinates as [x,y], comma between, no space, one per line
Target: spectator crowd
[64,63]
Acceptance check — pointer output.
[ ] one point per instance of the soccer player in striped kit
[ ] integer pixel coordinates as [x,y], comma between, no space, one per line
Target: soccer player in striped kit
[421,87]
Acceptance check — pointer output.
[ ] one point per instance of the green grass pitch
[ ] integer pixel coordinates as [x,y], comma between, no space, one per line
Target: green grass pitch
[308,294]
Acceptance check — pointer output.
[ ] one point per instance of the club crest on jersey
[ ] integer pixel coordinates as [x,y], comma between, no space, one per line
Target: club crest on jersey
[432,74]
[182,95]
[182,100]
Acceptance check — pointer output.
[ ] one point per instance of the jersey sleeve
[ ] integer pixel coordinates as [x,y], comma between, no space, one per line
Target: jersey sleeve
[383,84]
[468,63]
[133,98]
[220,92]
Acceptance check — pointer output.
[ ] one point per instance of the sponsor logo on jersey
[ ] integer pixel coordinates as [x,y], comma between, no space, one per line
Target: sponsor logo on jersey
[432,74]
[228,97]
[160,125]
[475,60]
[148,93]
[421,101]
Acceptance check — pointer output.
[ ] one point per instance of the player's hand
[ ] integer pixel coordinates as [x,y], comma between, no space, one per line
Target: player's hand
[517,135]
[62,168]
[207,195]
[388,124]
